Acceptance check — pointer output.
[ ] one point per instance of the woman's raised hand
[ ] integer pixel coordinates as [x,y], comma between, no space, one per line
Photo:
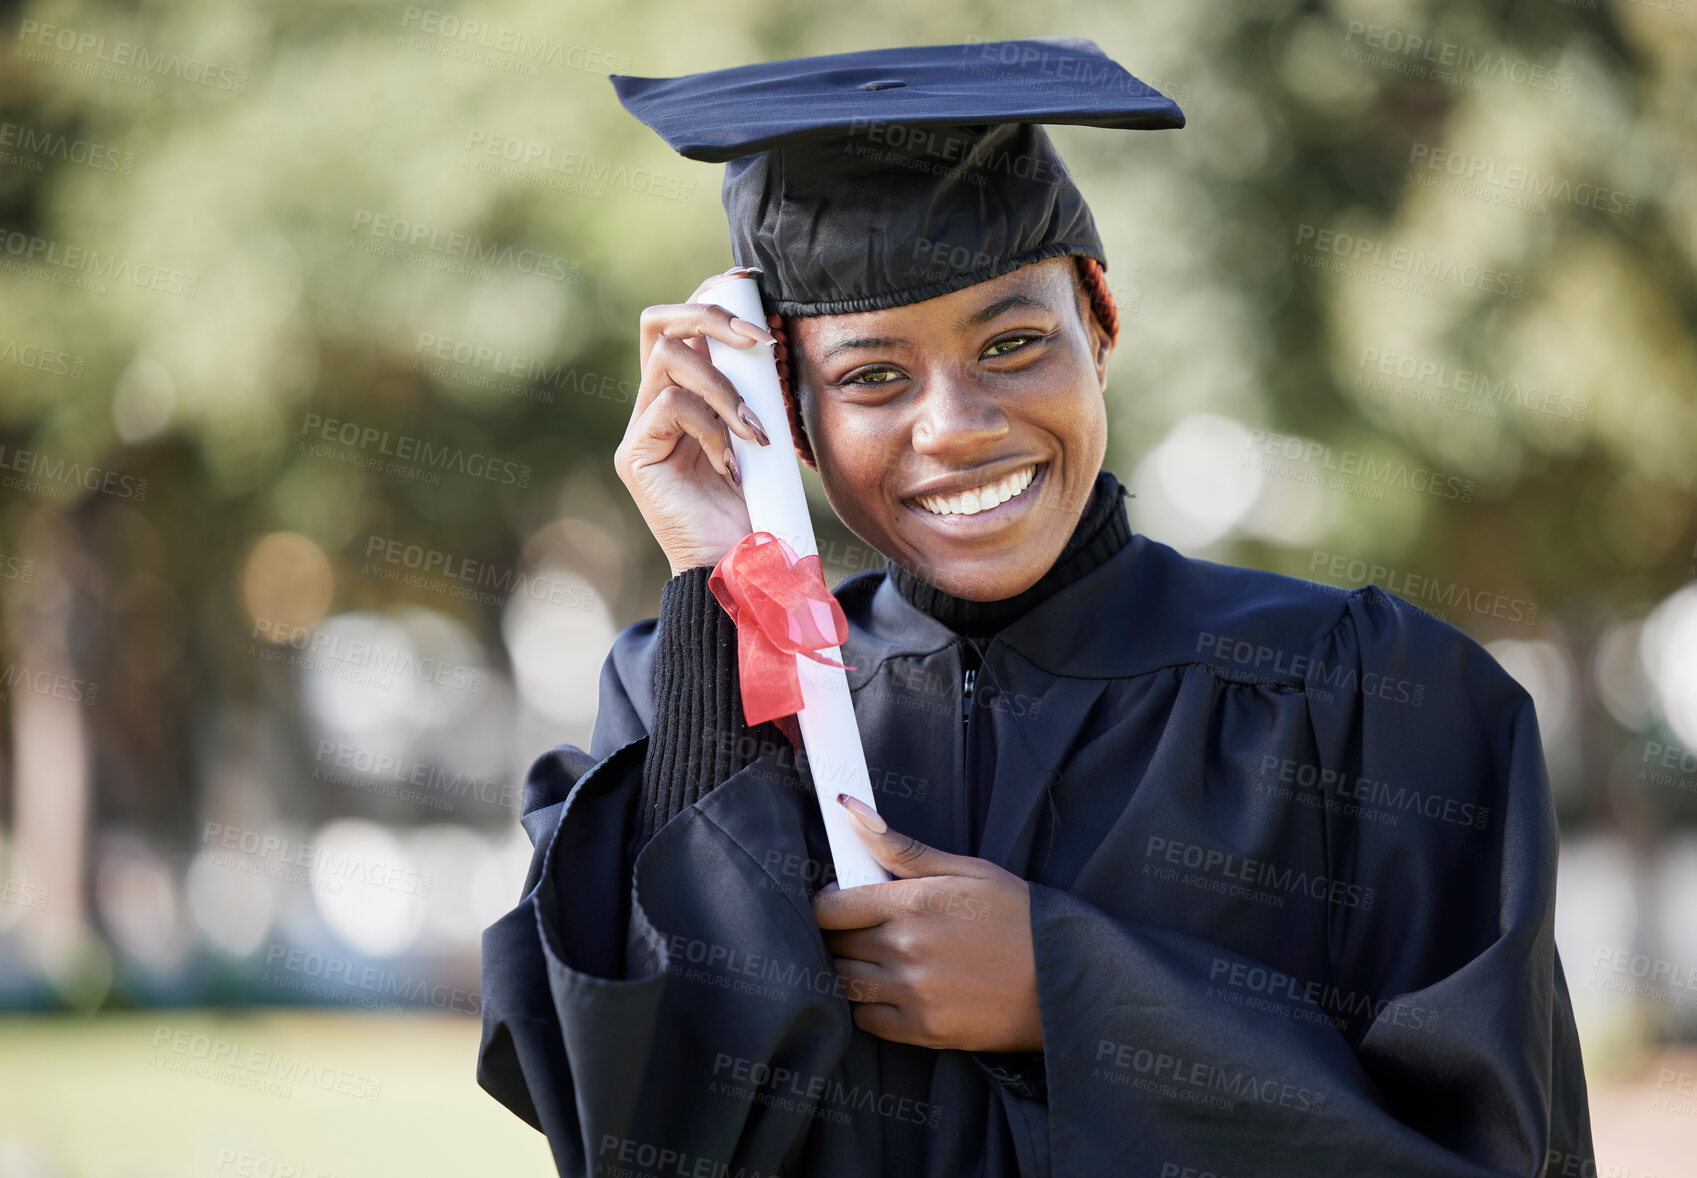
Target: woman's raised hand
[676,457]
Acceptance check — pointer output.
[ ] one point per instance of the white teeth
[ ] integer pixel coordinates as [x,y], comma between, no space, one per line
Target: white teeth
[980,498]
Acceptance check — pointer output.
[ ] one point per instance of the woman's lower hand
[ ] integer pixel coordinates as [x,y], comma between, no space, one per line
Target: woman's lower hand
[942,955]
[675,458]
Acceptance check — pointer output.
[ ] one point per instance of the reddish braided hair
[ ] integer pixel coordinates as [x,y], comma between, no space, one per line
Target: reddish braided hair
[1094,276]
[1090,273]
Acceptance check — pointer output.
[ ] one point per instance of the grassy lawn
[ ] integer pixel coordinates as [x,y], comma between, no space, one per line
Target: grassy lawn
[289,1095]
[119,1095]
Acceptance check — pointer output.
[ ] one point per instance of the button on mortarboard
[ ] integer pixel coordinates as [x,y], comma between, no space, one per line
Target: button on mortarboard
[859,181]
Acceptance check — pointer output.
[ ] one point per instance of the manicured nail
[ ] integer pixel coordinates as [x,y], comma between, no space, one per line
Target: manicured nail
[863,814]
[753,423]
[753,329]
[731,461]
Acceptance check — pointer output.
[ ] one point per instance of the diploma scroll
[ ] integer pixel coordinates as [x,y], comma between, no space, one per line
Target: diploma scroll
[771,486]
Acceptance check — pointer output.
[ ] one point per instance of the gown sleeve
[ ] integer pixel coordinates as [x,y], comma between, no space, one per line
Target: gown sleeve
[1466,1060]
[578,1006]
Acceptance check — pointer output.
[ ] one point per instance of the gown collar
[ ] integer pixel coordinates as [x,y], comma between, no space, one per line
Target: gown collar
[1145,608]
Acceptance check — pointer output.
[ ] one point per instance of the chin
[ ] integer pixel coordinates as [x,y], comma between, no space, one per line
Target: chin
[985,578]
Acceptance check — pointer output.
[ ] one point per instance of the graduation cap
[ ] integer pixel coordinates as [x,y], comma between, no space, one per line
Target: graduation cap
[860,181]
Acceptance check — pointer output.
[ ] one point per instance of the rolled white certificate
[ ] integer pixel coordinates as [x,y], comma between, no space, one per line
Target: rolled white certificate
[771,485]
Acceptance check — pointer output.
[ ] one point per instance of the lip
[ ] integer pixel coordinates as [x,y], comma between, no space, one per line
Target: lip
[959,483]
[996,516]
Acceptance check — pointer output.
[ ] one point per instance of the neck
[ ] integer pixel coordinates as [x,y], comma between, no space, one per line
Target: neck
[1101,531]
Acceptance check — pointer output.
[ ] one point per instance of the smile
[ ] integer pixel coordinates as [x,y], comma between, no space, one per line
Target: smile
[982,498]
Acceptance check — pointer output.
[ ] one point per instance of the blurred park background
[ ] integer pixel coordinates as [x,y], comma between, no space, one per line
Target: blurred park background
[316,339]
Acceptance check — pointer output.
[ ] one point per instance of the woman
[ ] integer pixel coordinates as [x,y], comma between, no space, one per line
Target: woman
[1198,869]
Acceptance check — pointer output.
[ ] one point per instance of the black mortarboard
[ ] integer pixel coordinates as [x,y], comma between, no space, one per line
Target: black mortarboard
[859,181]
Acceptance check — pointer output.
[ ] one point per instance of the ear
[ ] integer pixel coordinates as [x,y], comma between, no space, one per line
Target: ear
[804,410]
[1101,343]
[1103,347]
[1100,339]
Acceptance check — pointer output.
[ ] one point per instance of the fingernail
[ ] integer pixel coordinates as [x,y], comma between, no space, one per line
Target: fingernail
[864,814]
[731,461]
[753,422]
[753,329]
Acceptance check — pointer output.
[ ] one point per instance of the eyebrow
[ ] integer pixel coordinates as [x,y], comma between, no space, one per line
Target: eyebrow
[981,317]
[976,319]
[851,345]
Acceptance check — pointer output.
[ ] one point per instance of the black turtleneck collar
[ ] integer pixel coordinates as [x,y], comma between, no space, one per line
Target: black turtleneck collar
[1102,530]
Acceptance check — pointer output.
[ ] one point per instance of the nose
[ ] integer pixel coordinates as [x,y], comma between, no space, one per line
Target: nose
[957,417]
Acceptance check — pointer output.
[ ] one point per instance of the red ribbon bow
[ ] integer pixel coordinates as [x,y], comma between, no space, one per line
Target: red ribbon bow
[781,608]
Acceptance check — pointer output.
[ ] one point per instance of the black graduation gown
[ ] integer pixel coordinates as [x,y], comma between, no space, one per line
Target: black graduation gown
[1292,861]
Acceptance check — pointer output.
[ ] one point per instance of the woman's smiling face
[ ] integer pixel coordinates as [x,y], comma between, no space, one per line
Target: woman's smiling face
[997,385]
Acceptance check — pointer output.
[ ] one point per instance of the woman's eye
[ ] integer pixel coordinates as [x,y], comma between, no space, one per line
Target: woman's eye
[995,347]
[882,375]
